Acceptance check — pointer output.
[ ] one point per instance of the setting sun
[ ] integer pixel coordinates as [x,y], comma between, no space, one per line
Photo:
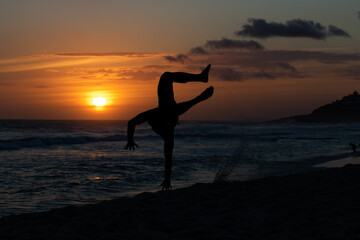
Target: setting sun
[99,101]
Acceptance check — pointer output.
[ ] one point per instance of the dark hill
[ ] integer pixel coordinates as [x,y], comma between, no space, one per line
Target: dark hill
[346,110]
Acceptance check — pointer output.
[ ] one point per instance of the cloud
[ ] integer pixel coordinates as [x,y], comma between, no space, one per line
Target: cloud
[231,74]
[263,74]
[107,54]
[198,50]
[44,62]
[350,71]
[279,58]
[180,58]
[335,31]
[260,28]
[157,67]
[227,74]
[225,43]
[286,66]
[323,57]
[138,75]
[29,75]
[359,14]
[114,74]
[274,64]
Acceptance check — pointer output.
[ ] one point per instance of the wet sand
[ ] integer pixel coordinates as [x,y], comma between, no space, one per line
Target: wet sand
[354,159]
[323,204]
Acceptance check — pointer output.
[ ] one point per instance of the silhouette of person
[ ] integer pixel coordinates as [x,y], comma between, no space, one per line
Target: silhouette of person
[164,118]
[353,146]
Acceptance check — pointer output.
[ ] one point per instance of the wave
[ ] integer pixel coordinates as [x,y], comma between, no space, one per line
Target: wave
[33,142]
[46,141]
[315,138]
[43,142]
[210,135]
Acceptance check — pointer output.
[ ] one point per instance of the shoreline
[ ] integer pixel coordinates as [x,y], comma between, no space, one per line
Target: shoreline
[354,159]
[311,205]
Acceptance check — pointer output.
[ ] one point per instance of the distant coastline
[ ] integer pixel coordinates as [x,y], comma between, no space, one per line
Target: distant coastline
[346,110]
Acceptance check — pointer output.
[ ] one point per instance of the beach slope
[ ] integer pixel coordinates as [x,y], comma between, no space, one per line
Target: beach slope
[323,204]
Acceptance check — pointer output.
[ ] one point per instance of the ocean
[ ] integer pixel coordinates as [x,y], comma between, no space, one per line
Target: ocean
[54,163]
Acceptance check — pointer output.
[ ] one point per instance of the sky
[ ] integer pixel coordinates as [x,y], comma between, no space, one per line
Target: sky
[270,58]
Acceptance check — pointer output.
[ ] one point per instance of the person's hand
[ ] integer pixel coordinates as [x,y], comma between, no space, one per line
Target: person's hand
[166,185]
[131,145]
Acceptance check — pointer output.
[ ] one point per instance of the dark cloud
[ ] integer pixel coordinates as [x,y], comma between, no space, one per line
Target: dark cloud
[227,74]
[230,74]
[180,58]
[264,64]
[268,58]
[335,31]
[359,14]
[270,64]
[287,66]
[234,44]
[157,67]
[263,74]
[260,28]
[224,43]
[323,57]
[138,75]
[198,50]
[350,71]
[170,58]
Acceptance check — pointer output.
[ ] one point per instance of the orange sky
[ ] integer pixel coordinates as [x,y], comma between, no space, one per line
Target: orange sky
[62,87]
[57,57]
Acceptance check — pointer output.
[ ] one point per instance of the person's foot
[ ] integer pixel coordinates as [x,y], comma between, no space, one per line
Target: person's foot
[206,94]
[205,73]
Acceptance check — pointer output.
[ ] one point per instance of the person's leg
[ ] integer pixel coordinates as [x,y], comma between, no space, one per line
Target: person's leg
[168,151]
[183,107]
[165,87]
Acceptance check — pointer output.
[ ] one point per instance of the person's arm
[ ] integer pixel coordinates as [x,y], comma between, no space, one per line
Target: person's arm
[139,119]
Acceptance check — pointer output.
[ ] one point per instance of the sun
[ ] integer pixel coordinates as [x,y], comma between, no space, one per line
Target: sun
[99,101]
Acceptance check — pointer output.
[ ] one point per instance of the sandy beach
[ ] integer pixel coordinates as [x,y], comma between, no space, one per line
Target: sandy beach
[323,204]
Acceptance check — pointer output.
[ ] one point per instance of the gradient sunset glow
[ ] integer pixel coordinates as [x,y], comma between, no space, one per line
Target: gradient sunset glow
[57,57]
